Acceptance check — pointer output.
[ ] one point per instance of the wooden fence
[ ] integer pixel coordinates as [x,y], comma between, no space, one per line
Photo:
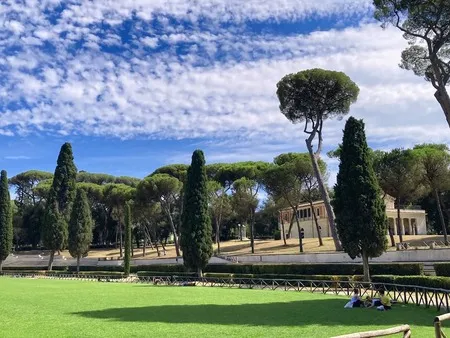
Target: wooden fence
[406,294]
[405,329]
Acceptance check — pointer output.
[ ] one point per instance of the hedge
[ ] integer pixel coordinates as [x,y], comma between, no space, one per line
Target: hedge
[404,269]
[442,269]
[317,269]
[424,281]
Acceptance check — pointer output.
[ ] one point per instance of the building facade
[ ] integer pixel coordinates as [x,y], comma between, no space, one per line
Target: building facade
[412,221]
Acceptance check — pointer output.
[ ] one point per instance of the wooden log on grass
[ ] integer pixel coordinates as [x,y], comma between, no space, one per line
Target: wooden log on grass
[405,329]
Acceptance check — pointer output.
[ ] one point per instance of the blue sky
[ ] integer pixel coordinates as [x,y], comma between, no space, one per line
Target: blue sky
[136,84]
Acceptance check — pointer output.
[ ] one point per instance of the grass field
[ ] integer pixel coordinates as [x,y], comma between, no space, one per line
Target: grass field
[55,308]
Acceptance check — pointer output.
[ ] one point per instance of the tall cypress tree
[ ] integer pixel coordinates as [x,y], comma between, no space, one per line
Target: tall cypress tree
[196,230]
[80,227]
[126,262]
[59,203]
[359,208]
[6,228]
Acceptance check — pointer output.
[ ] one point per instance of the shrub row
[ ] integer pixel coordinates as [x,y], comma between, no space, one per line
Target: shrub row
[316,269]
[424,281]
[442,269]
[405,269]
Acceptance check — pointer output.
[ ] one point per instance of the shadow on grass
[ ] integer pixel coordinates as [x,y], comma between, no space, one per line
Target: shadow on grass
[308,312]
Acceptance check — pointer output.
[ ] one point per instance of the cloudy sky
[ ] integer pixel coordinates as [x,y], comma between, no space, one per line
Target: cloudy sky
[136,84]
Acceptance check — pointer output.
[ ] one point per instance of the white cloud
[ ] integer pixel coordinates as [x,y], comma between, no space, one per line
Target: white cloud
[224,84]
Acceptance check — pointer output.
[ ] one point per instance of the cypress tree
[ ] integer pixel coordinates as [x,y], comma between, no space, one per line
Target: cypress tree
[64,181]
[6,227]
[359,208]
[196,230]
[126,263]
[80,227]
[59,203]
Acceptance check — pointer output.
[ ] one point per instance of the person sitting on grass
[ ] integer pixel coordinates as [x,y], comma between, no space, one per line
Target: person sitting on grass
[385,302]
[367,301]
[355,301]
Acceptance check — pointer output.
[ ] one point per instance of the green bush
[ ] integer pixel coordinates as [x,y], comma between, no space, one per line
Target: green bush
[316,269]
[277,235]
[442,269]
[405,269]
[423,281]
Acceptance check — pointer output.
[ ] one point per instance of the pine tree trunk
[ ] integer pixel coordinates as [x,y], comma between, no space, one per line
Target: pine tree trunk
[78,264]
[365,260]
[443,98]
[252,231]
[325,196]
[300,242]
[391,235]
[217,237]
[291,224]
[120,241]
[319,235]
[399,222]
[283,231]
[441,215]
[175,236]
[50,261]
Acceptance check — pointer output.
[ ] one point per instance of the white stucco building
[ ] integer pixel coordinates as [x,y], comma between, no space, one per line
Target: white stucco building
[413,221]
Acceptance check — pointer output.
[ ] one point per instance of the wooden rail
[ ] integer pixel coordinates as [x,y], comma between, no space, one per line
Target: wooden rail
[405,329]
[438,327]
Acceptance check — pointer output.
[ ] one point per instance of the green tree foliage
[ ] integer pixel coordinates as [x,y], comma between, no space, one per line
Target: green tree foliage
[360,211]
[245,203]
[59,202]
[166,190]
[115,197]
[398,177]
[303,186]
[426,27]
[434,168]
[63,188]
[128,244]
[312,96]
[196,231]
[24,184]
[80,227]
[6,227]
[54,234]
[220,207]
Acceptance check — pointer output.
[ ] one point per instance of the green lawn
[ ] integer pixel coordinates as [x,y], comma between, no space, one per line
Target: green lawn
[56,308]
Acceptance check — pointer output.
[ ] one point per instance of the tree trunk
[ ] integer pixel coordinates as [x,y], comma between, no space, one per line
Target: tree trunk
[50,261]
[252,230]
[300,241]
[443,98]
[399,222]
[283,235]
[157,249]
[319,235]
[291,224]
[217,237]
[1,266]
[441,215]
[391,236]
[78,264]
[325,196]
[172,226]
[120,240]
[365,260]
[200,272]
